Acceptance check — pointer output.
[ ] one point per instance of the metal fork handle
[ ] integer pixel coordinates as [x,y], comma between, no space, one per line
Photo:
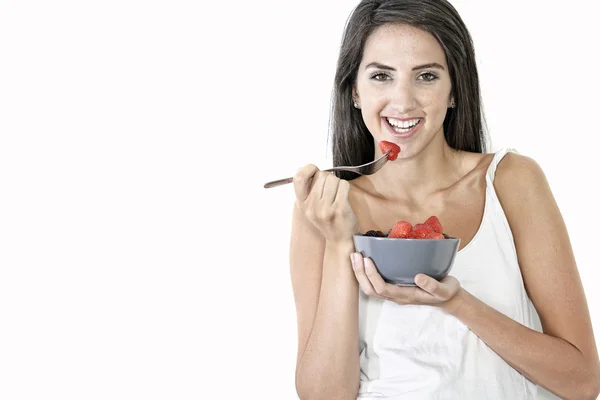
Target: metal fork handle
[356,169]
[290,180]
[279,182]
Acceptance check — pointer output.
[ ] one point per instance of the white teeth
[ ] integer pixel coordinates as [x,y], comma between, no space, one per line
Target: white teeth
[403,124]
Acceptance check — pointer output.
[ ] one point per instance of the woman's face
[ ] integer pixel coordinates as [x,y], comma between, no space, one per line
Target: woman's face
[403,87]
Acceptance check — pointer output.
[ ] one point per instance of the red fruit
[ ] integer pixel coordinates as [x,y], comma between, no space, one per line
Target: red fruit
[434,235]
[386,146]
[434,222]
[420,231]
[402,229]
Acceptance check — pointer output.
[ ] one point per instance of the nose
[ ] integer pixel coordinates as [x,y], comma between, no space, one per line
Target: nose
[403,98]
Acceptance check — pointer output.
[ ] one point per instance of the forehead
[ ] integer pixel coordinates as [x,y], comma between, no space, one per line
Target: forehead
[401,44]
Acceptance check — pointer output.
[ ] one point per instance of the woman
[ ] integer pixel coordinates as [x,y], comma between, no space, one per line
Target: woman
[407,74]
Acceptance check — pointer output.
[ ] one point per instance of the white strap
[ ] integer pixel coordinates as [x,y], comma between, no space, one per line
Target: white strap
[498,156]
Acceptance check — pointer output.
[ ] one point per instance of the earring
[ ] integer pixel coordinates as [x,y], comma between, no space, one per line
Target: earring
[355,104]
[452,104]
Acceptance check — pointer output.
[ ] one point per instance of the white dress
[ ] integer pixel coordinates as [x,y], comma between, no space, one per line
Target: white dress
[420,352]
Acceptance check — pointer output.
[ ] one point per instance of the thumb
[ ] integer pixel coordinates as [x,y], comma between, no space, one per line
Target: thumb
[443,290]
[427,283]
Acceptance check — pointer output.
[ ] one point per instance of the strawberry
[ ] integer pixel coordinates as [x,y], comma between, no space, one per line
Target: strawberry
[402,229]
[434,222]
[420,231]
[386,146]
[434,235]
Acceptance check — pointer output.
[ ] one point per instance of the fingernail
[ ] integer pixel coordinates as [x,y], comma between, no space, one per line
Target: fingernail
[354,258]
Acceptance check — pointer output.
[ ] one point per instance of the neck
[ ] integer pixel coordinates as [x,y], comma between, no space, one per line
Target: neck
[435,168]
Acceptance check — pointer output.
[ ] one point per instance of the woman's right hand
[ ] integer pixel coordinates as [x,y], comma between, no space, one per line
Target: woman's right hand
[323,198]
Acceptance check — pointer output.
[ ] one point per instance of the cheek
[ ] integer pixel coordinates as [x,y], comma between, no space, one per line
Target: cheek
[433,104]
[431,99]
[373,100]
[370,92]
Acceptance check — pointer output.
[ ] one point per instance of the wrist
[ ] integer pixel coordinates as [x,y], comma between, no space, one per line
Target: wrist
[455,305]
[337,262]
[341,245]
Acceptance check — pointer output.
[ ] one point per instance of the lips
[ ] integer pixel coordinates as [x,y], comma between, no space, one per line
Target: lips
[403,128]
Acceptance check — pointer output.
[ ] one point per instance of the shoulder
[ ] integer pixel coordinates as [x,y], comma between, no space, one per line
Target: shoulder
[520,176]
[527,200]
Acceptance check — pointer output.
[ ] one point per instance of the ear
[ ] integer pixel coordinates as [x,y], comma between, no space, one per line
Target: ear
[451,102]
[355,97]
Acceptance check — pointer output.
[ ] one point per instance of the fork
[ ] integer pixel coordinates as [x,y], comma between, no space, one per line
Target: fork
[365,169]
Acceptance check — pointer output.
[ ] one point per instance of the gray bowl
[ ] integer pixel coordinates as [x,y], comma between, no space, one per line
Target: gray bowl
[398,261]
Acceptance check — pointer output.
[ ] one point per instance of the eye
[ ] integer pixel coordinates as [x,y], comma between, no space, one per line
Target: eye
[428,77]
[380,77]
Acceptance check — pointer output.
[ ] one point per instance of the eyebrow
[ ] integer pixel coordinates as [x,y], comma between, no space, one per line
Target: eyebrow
[418,67]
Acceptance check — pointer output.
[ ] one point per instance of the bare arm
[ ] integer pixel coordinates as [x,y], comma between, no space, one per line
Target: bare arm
[326,296]
[564,358]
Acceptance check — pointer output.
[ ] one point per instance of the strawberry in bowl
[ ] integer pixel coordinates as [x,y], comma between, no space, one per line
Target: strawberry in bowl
[407,250]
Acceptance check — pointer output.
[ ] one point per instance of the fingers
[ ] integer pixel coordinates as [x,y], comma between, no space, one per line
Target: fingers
[358,265]
[303,181]
[427,290]
[377,282]
[341,196]
[398,294]
[330,188]
[370,281]
[318,187]
[309,181]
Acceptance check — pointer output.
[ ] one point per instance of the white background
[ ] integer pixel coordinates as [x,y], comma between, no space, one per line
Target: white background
[140,257]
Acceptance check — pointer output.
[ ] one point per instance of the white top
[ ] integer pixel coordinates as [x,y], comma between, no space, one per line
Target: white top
[420,352]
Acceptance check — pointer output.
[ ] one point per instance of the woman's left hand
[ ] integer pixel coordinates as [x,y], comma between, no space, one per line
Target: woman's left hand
[428,290]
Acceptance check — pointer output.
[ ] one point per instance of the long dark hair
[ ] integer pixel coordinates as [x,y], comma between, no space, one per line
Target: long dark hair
[463,126]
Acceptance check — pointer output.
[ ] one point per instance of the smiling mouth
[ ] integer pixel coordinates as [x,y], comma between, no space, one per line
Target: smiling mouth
[402,126]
